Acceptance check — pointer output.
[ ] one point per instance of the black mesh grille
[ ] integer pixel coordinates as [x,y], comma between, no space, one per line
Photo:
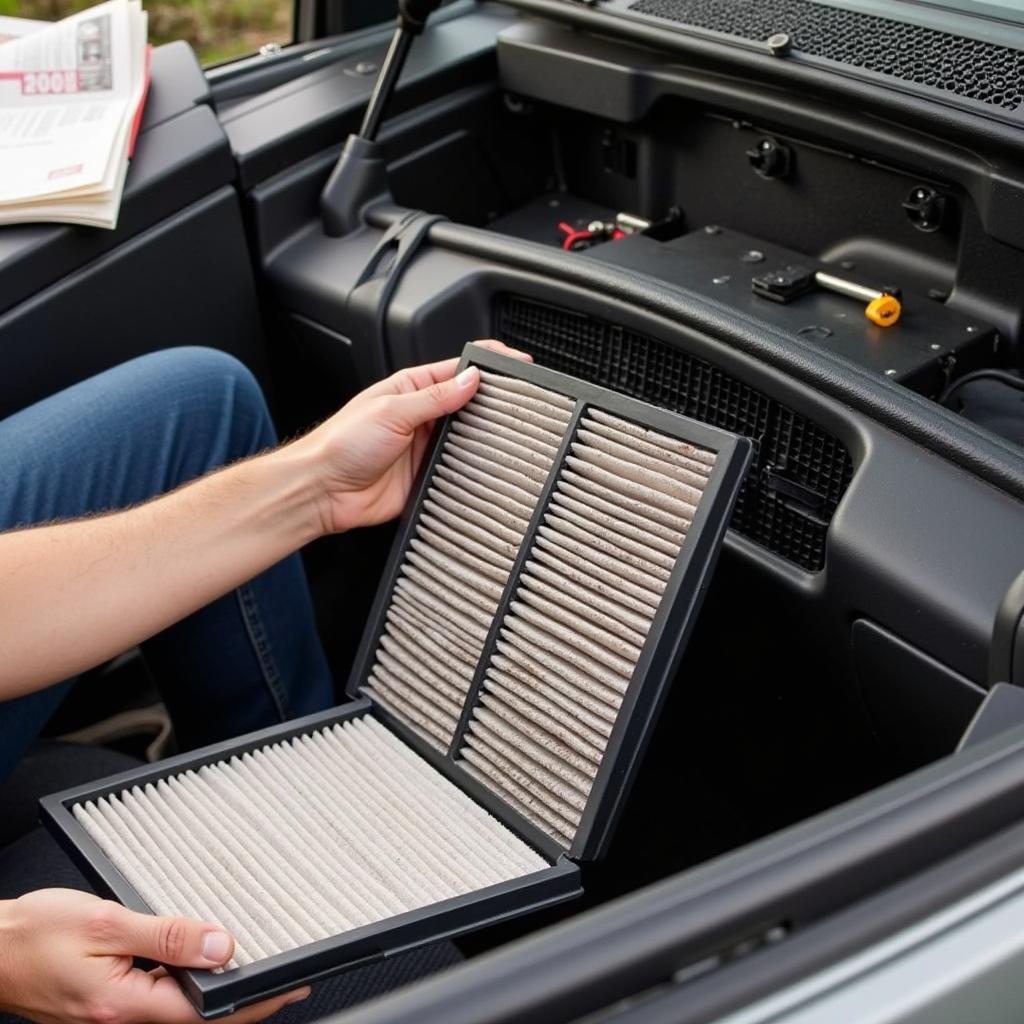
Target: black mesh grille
[799,471]
[985,72]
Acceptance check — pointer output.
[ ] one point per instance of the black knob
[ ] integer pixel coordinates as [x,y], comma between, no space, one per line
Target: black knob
[925,208]
[770,159]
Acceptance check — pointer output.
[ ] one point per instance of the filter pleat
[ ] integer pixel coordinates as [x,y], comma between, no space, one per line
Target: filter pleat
[675,522]
[550,425]
[444,535]
[588,730]
[579,649]
[603,470]
[579,751]
[499,472]
[398,689]
[426,642]
[674,445]
[498,451]
[563,583]
[591,710]
[624,536]
[453,571]
[424,625]
[534,644]
[495,384]
[418,676]
[362,893]
[609,649]
[576,627]
[523,798]
[631,449]
[496,436]
[302,878]
[470,482]
[609,545]
[523,717]
[547,788]
[560,553]
[476,498]
[458,598]
[487,563]
[304,838]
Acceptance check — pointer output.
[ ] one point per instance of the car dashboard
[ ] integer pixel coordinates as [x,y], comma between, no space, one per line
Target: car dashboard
[654,197]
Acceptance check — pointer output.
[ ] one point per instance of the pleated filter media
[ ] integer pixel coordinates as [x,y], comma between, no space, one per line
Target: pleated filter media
[495,459]
[529,620]
[304,839]
[581,611]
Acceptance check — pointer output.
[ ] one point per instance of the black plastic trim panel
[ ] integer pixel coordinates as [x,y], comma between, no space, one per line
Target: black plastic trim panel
[932,426]
[275,130]
[791,880]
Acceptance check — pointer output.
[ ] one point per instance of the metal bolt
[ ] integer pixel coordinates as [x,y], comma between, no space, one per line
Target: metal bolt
[971,330]
[365,67]
[712,229]
[779,43]
[935,346]
[890,373]
[752,256]
[723,279]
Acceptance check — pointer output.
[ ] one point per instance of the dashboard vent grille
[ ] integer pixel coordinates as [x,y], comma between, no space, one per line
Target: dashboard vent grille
[799,471]
[983,72]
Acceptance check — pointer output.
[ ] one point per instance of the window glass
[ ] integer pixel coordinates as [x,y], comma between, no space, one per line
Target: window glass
[217,29]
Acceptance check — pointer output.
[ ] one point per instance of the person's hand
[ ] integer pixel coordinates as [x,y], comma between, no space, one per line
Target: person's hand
[369,452]
[66,956]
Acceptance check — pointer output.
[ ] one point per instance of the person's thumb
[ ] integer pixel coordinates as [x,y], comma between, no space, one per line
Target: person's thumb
[438,399]
[178,941]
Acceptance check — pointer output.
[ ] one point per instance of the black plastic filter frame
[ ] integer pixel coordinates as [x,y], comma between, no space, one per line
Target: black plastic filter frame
[217,994]
[669,630]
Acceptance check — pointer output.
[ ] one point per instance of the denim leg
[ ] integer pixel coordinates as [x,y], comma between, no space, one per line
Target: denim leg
[249,659]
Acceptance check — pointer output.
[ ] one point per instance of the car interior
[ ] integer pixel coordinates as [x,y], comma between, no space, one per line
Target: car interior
[792,221]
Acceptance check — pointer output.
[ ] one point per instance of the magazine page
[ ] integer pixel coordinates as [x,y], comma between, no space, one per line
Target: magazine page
[66,102]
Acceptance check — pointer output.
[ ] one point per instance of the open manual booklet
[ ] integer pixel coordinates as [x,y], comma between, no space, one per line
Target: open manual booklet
[71,98]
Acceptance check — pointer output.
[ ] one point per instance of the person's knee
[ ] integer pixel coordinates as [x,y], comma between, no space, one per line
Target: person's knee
[196,369]
[215,391]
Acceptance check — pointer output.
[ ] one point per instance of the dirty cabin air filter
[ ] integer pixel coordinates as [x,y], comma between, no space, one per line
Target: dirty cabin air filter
[531,615]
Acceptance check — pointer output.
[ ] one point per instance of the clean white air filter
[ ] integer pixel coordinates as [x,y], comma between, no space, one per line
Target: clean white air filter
[495,459]
[575,627]
[304,839]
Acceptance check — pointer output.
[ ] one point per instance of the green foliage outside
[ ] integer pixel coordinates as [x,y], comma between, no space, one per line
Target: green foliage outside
[218,29]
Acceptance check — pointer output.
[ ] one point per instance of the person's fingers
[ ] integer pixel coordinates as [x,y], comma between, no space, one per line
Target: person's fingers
[169,940]
[416,378]
[506,350]
[146,998]
[412,410]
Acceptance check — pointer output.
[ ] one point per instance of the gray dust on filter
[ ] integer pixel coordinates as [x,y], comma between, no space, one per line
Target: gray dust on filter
[574,630]
[497,454]
[304,839]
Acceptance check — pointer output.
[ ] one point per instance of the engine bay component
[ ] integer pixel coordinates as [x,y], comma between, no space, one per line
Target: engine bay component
[883,307]
[919,341]
[514,662]
[790,282]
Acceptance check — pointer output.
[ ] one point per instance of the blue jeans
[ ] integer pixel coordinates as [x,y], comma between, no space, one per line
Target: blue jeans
[248,660]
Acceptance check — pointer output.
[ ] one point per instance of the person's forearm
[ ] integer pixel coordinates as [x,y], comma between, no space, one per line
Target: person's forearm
[74,594]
